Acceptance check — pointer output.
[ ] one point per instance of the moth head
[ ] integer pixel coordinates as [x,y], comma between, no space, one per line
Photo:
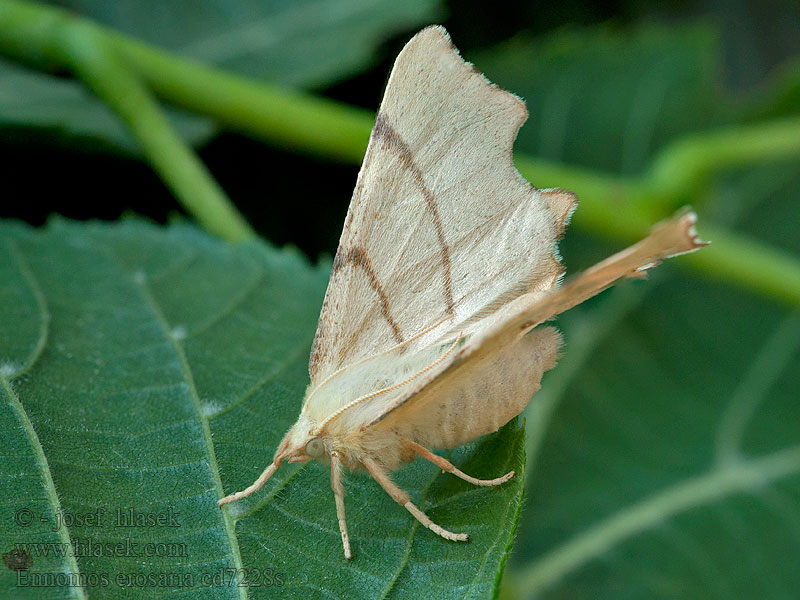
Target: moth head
[301,443]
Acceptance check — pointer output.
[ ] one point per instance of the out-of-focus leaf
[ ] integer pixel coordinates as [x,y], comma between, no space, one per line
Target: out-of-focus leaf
[607,98]
[761,202]
[298,43]
[156,370]
[65,108]
[671,465]
[778,97]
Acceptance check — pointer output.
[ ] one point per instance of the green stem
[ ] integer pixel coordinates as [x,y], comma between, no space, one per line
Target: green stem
[283,117]
[81,47]
[687,163]
[30,33]
[600,195]
[742,261]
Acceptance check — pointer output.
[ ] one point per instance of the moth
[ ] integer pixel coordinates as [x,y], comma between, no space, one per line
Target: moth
[431,332]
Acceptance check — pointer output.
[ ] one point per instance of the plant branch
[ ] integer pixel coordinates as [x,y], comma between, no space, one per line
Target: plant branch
[686,164]
[83,49]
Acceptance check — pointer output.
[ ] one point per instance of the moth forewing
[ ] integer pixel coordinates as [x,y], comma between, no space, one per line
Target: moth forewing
[441,224]
[430,335]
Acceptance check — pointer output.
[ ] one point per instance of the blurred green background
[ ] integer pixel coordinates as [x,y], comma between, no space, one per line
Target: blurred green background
[664,450]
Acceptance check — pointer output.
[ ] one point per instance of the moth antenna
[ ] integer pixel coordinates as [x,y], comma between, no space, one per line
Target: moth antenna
[257,485]
[371,356]
[371,395]
[399,496]
[449,467]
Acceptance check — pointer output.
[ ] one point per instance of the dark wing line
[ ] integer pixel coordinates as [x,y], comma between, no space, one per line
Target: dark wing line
[392,140]
[357,257]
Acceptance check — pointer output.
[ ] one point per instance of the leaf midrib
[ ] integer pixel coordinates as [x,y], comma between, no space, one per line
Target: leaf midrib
[186,371]
[41,304]
[48,483]
[33,438]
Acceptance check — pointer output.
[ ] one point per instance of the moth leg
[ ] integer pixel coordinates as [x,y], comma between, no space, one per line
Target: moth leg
[446,465]
[257,485]
[380,475]
[338,494]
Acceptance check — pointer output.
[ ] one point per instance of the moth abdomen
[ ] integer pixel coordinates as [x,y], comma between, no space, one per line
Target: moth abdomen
[477,399]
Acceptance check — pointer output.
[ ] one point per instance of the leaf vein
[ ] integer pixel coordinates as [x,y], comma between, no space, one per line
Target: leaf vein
[719,482]
[44,324]
[158,314]
[49,483]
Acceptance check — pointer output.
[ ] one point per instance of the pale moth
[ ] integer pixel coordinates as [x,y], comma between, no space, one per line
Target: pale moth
[430,334]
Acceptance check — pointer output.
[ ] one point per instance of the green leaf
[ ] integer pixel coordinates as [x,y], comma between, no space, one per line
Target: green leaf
[608,98]
[297,43]
[156,369]
[779,97]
